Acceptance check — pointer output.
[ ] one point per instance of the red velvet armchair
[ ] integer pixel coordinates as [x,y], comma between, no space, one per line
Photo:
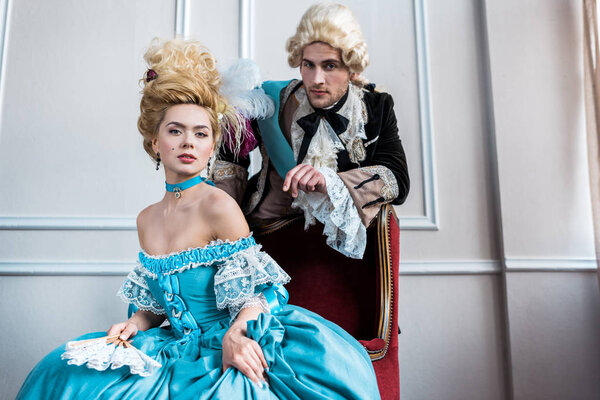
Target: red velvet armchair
[358,295]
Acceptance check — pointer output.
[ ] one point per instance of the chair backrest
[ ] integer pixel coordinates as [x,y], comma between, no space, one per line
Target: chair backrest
[355,294]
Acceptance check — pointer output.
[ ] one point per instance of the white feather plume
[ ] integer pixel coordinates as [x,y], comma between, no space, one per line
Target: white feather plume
[240,85]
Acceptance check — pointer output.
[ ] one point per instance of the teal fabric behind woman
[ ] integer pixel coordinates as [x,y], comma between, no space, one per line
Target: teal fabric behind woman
[308,356]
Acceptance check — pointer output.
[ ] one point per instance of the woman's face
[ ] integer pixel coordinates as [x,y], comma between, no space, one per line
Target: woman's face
[185,141]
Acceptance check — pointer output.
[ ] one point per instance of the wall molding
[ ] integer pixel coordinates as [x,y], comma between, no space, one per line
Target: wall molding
[182,19]
[478,267]
[108,223]
[550,264]
[418,223]
[431,267]
[450,267]
[4,22]
[426,125]
[63,223]
[246,29]
[68,268]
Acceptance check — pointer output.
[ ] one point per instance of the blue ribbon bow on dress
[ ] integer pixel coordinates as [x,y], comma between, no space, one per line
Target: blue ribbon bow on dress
[277,296]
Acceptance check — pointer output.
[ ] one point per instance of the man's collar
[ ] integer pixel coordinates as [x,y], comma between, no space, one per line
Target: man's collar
[340,102]
[335,107]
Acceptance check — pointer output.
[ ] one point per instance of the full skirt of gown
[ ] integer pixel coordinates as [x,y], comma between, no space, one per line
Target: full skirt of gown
[308,356]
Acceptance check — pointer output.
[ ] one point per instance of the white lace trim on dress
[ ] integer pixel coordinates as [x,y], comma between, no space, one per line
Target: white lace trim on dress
[256,301]
[135,291]
[337,212]
[239,279]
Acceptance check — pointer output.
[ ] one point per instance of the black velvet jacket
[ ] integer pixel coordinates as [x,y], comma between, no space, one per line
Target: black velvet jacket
[383,148]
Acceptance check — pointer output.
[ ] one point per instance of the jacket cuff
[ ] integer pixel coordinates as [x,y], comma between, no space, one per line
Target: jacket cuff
[370,187]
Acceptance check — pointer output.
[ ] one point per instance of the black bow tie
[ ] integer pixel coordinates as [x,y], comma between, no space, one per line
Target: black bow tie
[310,124]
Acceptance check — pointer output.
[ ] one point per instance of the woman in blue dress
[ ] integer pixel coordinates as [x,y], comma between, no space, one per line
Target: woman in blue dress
[231,334]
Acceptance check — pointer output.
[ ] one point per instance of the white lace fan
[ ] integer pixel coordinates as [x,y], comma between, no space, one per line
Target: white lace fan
[109,351]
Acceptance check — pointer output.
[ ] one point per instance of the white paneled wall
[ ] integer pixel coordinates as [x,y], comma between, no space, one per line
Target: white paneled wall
[497,297]
[536,79]
[451,346]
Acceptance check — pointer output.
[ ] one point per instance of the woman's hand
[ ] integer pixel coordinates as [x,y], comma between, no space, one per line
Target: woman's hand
[140,321]
[126,330]
[244,354]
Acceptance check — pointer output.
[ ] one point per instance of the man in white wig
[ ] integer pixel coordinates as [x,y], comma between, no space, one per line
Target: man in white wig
[331,150]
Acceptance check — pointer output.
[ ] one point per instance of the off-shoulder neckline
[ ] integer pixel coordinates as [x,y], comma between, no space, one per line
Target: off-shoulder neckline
[211,244]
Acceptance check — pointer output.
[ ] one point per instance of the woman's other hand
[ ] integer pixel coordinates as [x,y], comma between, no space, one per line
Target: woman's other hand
[244,354]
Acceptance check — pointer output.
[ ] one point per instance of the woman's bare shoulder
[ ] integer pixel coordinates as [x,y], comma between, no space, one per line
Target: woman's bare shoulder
[224,215]
[218,199]
[146,215]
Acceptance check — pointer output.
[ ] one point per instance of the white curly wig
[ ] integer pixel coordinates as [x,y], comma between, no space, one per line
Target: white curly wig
[335,25]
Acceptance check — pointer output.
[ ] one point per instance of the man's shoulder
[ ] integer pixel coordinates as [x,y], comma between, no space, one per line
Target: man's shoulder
[280,91]
[373,93]
[282,86]
[375,99]
[290,88]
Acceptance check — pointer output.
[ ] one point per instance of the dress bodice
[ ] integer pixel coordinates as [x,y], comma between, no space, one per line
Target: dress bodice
[195,287]
[188,298]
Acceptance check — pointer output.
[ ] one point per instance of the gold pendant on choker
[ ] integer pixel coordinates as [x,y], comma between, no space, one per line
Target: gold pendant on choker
[177,192]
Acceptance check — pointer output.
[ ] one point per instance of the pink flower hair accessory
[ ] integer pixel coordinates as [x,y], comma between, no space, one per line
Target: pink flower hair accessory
[151,75]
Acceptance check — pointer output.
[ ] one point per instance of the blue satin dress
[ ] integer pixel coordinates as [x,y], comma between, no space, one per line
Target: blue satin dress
[200,290]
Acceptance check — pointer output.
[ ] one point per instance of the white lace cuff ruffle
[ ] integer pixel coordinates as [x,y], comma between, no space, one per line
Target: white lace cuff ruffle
[135,291]
[256,301]
[337,212]
[238,281]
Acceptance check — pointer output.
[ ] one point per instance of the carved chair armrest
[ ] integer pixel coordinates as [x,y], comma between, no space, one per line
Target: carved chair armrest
[377,347]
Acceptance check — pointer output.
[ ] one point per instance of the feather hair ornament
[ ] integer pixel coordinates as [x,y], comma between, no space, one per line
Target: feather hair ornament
[241,86]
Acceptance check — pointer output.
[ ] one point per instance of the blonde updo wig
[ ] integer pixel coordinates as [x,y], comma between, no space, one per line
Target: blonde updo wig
[184,73]
[335,25]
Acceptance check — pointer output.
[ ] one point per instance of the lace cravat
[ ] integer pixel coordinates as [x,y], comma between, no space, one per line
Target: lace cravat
[310,124]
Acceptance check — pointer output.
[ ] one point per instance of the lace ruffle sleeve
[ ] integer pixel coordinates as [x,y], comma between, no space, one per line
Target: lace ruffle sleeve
[241,278]
[336,211]
[135,291]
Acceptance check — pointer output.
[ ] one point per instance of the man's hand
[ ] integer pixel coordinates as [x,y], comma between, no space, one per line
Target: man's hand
[306,178]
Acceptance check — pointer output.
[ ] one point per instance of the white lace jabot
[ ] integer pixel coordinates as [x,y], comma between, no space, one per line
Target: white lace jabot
[336,210]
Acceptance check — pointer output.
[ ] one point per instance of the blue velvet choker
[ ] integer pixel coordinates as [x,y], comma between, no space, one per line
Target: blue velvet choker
[180,187]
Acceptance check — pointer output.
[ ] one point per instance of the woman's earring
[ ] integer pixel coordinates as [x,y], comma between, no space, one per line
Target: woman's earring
[157,160]
[208,168]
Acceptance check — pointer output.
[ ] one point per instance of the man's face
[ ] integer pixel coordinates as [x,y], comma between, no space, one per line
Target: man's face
[325,76]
